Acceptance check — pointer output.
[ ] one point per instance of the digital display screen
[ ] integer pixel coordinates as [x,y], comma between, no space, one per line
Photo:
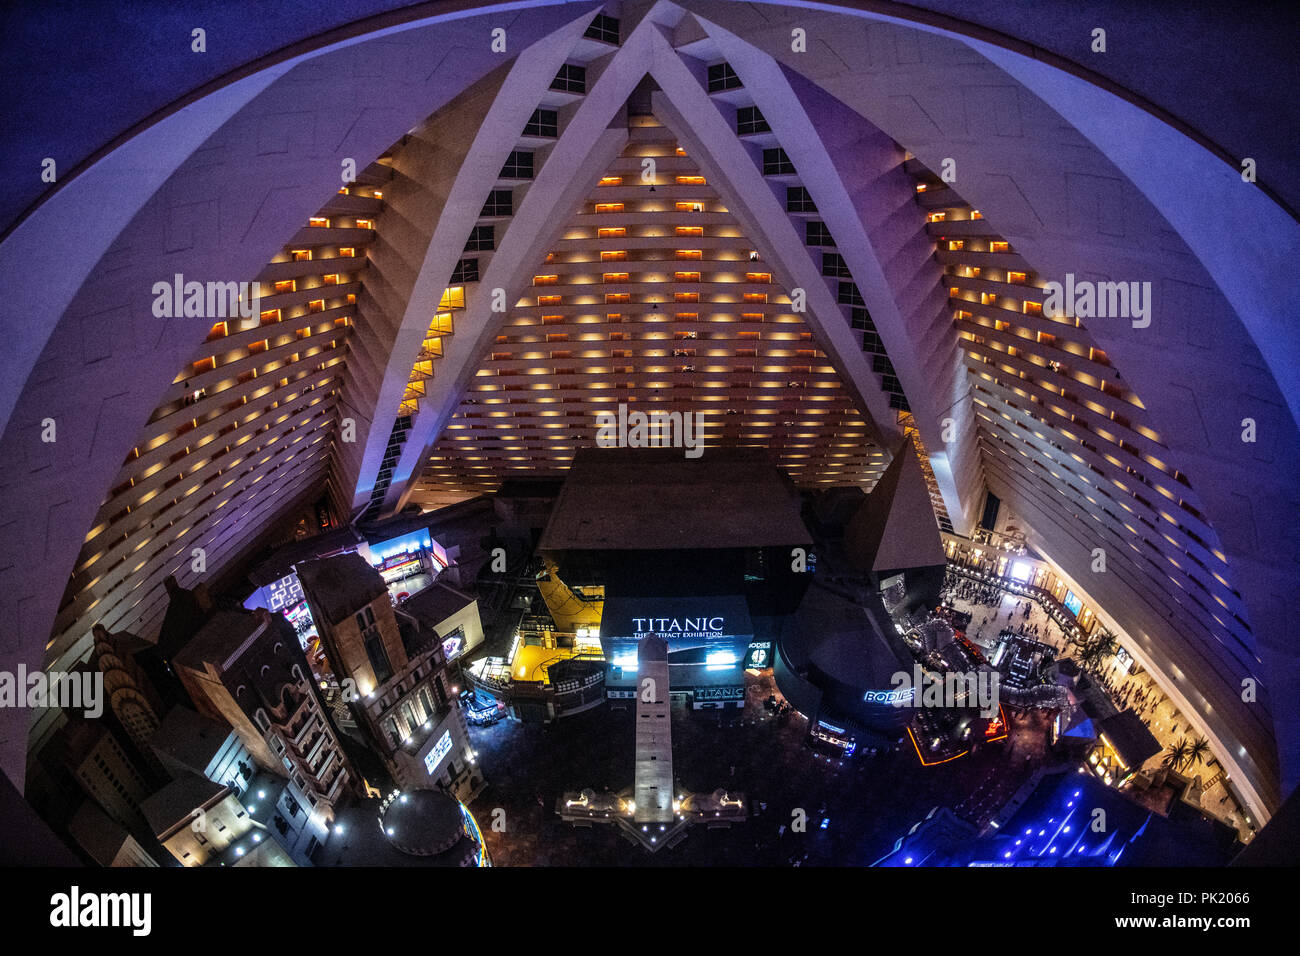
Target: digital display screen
[1072,603]
[284,593]
[1022,571]
[439,753]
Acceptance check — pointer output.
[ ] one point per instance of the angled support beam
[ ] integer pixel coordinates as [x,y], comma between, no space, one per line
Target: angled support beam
[855,176]
[687,109]
[449,174]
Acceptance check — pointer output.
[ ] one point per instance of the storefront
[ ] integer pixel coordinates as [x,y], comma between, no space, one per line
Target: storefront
[408,562]
[709,645]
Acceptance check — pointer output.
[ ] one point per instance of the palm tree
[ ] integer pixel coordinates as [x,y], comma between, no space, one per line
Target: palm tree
[1094,651]
[1176,754]
[1106,645]
[1198,752]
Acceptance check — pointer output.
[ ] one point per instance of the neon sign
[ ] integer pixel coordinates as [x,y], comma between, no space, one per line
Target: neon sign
[668,627]
[888,696]
[284,593]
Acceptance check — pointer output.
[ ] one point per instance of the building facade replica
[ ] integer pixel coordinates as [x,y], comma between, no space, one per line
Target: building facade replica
[248,671]
[396,670]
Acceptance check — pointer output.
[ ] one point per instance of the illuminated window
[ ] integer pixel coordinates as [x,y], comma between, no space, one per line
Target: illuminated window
[365,224]
[763,277]
[689,254]
[319,221]
[686,277]
[690,230]
[603,207]
[347,252]
[1017,278]
[612,232]
[755,297]
[611,181]
[452,298]
[270,317]
[316,305]
[615,277]
[690,207]
[332,279]
[286,285]
[686,297]
[936,217]
[999,246]
[301,255]
[549,299]
[690,181]
[956,245]
[546,280]
[614,255]
[1033,308]
[619,298]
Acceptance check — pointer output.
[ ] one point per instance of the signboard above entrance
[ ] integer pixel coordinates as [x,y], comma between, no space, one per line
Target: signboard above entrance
[713,622]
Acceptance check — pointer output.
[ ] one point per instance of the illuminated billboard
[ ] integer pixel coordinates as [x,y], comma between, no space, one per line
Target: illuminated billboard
[435,757]
[715,629]
[1072,603]
[1022,571]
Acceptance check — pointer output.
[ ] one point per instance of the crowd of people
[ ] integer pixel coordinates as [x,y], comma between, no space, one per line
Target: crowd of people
[992,594]
[980,593]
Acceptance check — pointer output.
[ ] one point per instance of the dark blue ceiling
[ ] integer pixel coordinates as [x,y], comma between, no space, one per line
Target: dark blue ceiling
[78,75]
